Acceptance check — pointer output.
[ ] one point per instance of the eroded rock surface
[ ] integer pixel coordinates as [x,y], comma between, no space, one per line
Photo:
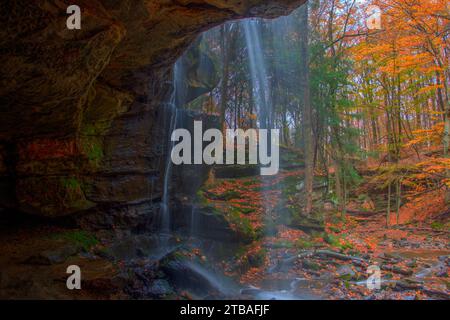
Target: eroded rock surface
[82,112]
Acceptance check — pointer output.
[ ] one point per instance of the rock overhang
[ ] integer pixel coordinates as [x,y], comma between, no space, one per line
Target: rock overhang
[73,125]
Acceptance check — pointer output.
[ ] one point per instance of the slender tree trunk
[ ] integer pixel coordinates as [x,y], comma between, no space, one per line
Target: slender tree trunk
[224,35]
[251,104]
[307,130]
[398,199]
[388,213]
[374,125]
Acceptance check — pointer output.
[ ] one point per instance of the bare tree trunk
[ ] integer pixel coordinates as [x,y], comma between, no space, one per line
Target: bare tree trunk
[307,130]
[338,185]
[225,45]
[388,213]
[398,199]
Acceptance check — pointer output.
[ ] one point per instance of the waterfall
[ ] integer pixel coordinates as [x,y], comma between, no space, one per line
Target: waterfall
[260,81]
[258,72]
[165,228]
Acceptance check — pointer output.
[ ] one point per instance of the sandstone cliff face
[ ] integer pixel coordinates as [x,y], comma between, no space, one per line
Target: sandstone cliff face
[82,111]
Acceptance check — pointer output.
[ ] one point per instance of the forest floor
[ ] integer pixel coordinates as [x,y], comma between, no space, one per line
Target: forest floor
[329,254]
[34,258]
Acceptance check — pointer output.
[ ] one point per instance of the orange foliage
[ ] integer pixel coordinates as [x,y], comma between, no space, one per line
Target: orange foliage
[421,208]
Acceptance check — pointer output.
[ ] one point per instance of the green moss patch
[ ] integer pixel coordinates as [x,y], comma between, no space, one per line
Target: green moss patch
[243,226]
[80,238]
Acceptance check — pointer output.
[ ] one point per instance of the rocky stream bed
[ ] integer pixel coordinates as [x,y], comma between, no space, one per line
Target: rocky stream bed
[238,243]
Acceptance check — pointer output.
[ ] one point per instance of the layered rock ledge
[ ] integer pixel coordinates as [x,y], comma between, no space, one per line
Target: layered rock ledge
[82,115]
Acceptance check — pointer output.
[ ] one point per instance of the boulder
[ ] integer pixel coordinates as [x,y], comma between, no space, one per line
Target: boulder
[185,273]
[345,272]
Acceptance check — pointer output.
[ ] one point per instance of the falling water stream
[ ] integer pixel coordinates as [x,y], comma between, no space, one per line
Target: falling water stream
[262,100]
[165,228]
[258,71]
[260,81]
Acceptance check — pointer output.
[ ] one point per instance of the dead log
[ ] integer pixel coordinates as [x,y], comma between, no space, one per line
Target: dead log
[428,230]
[440,294]
[395,269]
[404,285]
[339,256]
